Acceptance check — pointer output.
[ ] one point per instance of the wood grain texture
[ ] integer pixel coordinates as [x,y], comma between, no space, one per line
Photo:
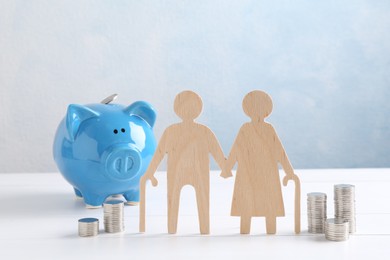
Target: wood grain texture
[187,145]
[257,151]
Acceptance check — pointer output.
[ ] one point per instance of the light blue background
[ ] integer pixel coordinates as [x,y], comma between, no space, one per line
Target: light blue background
[326,65]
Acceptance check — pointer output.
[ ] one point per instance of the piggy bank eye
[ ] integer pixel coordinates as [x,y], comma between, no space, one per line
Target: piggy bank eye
[123,130]
[115,131]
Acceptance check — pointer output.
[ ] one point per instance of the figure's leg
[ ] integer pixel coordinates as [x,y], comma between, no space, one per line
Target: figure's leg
[270,223]
[203,201]
[132,197]
[245,225]
[173,208]
[78,193]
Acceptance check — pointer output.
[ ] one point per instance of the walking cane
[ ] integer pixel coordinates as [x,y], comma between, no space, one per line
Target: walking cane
[142,187]
[142,200]
[297,203]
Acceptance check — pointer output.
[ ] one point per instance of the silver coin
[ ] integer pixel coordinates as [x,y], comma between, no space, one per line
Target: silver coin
[109,99]
[88,227]
[316,211]
[114,216]
[336,230]
[344,204]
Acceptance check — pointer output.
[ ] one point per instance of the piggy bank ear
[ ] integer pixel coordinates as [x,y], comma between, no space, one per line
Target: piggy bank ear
[75,116]
[143,110]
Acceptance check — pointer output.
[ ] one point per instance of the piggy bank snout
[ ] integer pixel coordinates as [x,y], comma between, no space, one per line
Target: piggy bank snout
[122,162]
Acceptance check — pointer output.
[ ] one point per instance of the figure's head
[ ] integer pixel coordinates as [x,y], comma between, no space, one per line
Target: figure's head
[188,105]
[257,105]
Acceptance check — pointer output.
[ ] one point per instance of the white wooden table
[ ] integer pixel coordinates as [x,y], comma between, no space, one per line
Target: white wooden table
[39,214]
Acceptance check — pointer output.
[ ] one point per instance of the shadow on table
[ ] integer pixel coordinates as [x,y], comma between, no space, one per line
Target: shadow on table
[40,204]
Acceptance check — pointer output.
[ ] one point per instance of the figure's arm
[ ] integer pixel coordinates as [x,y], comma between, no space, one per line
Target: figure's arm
[217,153]
[154,163]
[215,149]
[283,160]
[233,155]
[230,162]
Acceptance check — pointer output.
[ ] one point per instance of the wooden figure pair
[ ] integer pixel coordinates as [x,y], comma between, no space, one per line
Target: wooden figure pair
[257,151]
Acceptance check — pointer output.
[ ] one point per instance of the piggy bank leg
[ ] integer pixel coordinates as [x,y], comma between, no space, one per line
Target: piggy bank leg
[93,200]
[78,194]
[132,197]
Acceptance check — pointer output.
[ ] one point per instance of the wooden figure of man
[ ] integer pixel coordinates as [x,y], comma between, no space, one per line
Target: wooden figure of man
[257,151]
[187,145]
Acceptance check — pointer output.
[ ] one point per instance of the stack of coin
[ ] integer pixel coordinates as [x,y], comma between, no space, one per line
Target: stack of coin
[113,216]
[88,227]
[316,211]
[344,202]
[336,230]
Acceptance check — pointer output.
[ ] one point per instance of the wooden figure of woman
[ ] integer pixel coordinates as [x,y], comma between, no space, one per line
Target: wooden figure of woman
[257,151]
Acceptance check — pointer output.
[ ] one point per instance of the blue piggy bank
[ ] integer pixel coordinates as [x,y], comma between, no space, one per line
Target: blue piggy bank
[104,149]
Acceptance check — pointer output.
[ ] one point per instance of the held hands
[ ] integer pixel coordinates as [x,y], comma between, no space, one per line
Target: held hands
[226,172]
